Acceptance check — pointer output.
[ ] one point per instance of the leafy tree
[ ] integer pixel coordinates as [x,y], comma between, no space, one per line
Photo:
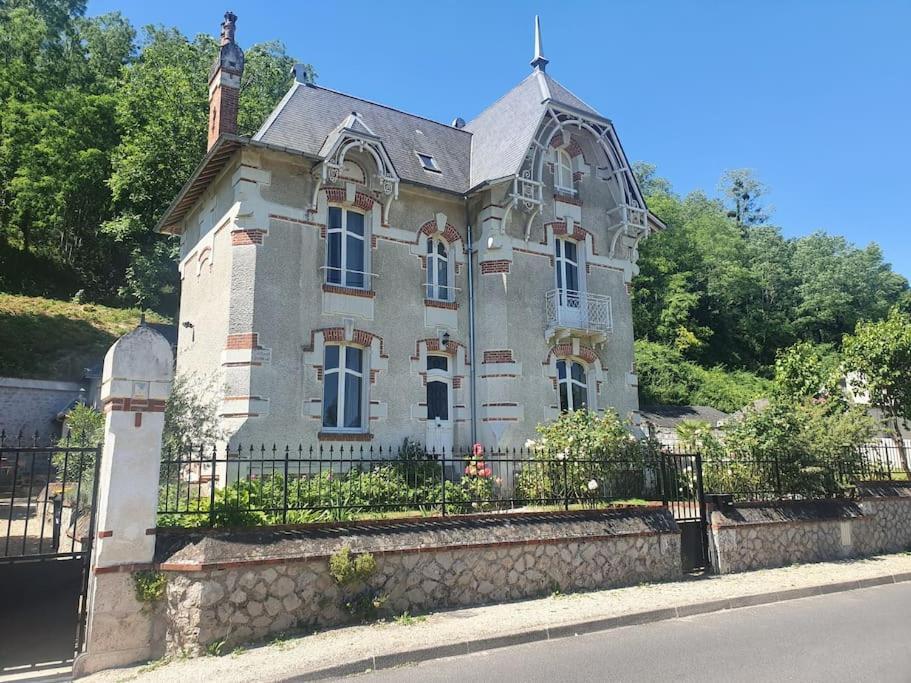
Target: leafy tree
[880,354]
[807,370]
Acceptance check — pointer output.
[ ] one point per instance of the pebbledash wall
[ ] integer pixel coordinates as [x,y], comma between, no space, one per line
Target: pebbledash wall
[244,585]
[756,536]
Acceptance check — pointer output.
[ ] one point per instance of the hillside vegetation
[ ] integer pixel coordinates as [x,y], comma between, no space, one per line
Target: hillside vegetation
[50,339]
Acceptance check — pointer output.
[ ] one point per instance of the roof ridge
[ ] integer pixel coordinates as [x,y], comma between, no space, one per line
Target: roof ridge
[549,77]
[386,106]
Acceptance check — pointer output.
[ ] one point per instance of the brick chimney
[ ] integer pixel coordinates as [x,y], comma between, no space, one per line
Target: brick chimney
[224,83]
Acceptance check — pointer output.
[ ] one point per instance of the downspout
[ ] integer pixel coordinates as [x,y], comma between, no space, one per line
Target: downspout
[472,372]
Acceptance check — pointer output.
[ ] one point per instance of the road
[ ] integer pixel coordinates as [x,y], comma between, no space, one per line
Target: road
[861,635]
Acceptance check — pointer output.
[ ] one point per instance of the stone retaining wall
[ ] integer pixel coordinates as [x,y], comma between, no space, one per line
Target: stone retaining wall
[243,586]
[757,536]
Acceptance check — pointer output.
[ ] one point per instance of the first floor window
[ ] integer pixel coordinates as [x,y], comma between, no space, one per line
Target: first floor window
[345,249]
[343,388]
[437,271]
[572,384]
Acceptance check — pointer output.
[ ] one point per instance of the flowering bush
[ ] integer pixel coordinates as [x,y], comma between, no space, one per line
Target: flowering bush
[478,482]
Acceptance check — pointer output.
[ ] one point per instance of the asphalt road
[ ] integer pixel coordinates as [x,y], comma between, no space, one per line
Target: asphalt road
[861,635]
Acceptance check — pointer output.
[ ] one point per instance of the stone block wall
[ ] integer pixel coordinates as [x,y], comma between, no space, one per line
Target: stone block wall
[757,536]
[30,405]
[235,588]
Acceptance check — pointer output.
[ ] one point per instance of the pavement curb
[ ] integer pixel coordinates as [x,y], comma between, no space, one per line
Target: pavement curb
[394,659]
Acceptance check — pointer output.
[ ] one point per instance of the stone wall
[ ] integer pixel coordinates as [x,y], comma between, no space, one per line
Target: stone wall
[755,536]
[30,405]
[242,586]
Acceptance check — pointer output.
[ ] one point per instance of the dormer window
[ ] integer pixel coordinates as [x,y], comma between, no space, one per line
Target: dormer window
[428,162]
[563,172]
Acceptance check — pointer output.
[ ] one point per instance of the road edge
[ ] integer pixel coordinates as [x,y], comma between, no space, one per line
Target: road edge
[394,659]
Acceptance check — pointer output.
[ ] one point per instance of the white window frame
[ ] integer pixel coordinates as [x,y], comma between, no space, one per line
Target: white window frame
[339,374]
[570,382]
[432,166]
[561,261]
[432,285]
[563,163]
[342,267]
[444,377]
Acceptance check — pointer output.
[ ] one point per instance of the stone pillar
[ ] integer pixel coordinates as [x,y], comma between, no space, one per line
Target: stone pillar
[136,382]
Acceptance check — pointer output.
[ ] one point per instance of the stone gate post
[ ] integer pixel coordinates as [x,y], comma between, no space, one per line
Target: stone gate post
[136,382]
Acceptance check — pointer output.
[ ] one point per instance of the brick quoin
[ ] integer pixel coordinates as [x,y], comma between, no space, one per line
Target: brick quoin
[498,356]
[499,266]
[247,340]
[241,238]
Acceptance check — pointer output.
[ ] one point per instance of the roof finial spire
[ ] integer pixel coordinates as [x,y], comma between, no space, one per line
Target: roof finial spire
[539,62]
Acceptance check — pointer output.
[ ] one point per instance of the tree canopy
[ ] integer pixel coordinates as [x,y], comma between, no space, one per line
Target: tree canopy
[100,125]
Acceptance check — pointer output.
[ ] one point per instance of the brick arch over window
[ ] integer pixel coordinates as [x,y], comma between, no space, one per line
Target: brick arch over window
[569,143]
[576,351]
[565,350]
[450,234]
[460,361]
[338,195]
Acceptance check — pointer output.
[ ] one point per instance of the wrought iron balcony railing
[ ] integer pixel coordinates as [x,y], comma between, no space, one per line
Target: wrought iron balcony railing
[569,309]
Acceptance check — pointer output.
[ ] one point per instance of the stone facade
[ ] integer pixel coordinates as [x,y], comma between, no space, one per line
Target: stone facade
[31,405]
[255,263]
[759,536]
[217,590]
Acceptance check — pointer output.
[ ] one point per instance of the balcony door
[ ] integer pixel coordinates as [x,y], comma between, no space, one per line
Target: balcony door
[570,299]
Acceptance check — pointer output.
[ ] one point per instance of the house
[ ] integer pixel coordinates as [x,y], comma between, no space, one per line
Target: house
[354,273]
[660,422]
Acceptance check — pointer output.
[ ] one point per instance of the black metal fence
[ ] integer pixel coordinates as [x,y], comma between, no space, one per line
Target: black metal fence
[272,485]
[795,476]
[264,485]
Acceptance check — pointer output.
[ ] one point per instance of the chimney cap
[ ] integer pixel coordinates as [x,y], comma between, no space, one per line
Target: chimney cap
[228,27]
[301,73]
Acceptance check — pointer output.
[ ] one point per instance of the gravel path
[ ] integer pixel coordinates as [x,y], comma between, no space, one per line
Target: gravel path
[295,656]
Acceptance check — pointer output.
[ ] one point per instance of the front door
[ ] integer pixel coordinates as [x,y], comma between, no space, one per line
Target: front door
[570,304]
[439,405]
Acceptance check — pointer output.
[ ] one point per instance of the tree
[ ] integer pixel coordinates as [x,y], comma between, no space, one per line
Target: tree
[743,193]
[806,370]
[880,354]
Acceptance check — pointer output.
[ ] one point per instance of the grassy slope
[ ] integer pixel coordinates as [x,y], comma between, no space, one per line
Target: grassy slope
[50,339]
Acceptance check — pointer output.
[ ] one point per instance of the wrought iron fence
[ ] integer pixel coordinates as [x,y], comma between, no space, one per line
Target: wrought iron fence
[796,476]
[273,485]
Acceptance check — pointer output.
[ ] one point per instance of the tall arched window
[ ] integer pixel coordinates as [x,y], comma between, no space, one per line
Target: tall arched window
[563,171]
[572,384]
[438,271]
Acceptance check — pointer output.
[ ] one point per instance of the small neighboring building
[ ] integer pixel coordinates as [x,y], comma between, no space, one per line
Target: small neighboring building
[660,422]
[355,273]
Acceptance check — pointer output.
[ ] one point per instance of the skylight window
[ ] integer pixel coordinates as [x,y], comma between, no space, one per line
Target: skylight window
[428,162]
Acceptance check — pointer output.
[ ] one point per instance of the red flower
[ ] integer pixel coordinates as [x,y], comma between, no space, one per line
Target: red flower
[477,450]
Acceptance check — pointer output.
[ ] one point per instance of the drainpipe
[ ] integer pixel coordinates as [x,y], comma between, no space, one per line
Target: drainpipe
[472,373]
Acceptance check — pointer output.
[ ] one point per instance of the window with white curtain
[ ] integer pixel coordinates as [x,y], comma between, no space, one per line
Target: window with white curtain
[345,244]
[572,384]
[438,287]
[563,171]
[343,388]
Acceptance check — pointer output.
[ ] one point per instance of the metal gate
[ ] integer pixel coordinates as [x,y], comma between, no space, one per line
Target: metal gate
[47,507]
[684,495]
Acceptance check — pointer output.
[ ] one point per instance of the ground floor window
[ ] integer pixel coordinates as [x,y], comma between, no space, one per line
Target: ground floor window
[572,384]
[343,388]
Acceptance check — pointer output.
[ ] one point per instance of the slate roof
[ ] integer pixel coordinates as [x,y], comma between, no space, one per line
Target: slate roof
[306,117]
[491,146]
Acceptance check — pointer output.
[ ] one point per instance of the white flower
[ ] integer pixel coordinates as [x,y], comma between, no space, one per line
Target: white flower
[592,485]
[561,455]
[530,443]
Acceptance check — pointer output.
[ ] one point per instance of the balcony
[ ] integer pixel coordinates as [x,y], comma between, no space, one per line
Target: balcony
[568,313]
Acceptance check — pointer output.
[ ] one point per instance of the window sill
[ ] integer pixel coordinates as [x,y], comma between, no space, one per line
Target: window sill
[567,198]
[349,291]
[345,436]
[436,303]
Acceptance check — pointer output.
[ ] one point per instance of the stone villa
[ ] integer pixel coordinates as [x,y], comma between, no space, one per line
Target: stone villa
[353,272]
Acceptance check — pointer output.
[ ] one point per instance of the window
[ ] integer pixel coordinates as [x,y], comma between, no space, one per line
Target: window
[428,162]
[345,248]
[437,388]
[438,271]
[566,261]
[563,172]
[572,384]
[343,388]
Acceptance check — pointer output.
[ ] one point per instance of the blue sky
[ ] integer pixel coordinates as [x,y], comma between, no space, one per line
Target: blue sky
[814,96]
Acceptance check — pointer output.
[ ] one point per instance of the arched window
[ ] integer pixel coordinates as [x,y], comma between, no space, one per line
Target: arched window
[563,172]
[438,271]
[343,388]
[572,384]
[345,257]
